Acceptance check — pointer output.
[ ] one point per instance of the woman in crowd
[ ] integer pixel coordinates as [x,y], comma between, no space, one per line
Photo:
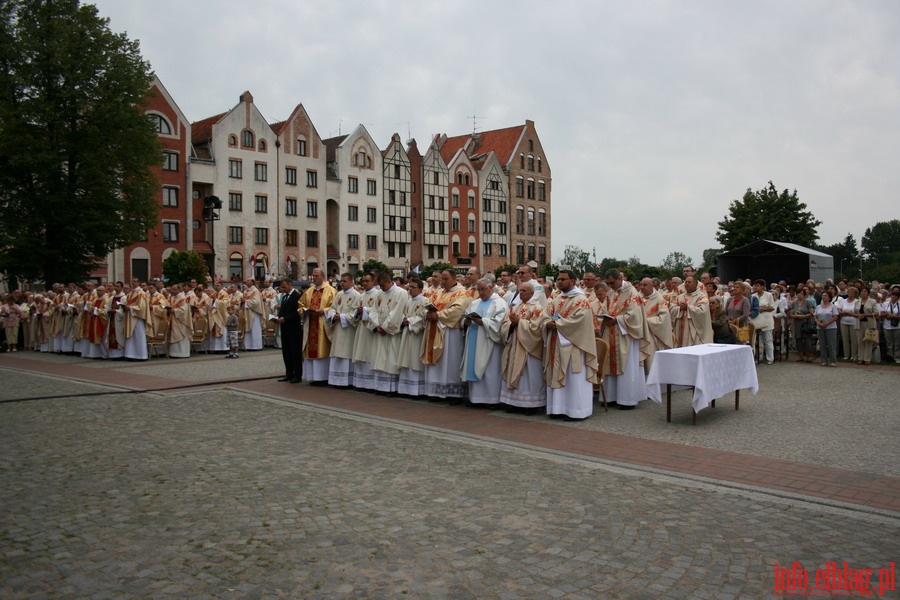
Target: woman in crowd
[801,312]
[826,318]
[848,308]
[738,306]
[764,322]
[868,310]
[722,332]
[890,318]
[12,316]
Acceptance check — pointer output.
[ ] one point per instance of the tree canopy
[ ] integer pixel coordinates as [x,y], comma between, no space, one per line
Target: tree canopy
[674,264]
[373,266]
[577,259]
[882,239]
[75,179]
[435,266]
[181,267]
[767,214]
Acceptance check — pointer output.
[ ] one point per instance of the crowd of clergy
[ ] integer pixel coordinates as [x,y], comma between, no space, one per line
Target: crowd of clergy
[514,342]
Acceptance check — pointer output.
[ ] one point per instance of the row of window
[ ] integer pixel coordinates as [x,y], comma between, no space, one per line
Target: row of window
[247,142]
[261,238]
[290,177]
[353,186]
[487,226]
[541,253]
[261,205]
[529,160]
[523,190]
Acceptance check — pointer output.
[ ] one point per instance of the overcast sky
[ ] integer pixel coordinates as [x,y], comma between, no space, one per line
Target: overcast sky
[654,115]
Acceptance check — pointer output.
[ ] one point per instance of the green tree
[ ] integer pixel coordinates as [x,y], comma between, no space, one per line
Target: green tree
[577,259]
[842,253]
[183,266]
[882,239]
[711,258]
[767,215]
[75,180]
[550,270]
[373,266]
[674,264]
[612,263]
[436,266]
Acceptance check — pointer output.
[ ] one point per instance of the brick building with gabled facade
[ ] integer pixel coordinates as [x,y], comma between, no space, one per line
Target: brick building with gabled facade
[173,232]
[519,151]
[258,198]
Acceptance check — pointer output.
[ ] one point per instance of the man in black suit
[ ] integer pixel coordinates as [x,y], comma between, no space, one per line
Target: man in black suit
[291,332]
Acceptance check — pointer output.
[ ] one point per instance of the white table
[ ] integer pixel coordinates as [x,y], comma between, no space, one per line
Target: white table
[712,369]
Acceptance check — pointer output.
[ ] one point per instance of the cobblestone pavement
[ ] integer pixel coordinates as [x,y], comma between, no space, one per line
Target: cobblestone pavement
[226,494]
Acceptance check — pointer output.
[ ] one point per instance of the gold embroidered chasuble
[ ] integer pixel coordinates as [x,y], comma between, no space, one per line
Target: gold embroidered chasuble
[451,305]
[522,340]
[625,305]
[316,337]
[574,336]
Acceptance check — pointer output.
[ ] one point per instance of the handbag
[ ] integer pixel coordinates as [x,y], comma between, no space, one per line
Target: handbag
[871,335]
[743,334]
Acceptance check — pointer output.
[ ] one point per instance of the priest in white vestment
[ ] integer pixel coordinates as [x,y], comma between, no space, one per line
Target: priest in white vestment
[442,346]
[340,318]
[363,343]
[657,323]
[690,316]
[570,354]
[255,316]
[411,379]
[218,312]
[180,325]
[483,345]
[386,321]
[115,332]
[136,313]
[623,329]
[523,353]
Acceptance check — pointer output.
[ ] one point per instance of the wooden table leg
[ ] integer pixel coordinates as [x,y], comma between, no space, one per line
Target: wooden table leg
[713,403]
[737,399]
[693,415]
[668,403]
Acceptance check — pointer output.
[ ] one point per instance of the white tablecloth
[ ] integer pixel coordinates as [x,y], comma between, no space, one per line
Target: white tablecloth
[713,369]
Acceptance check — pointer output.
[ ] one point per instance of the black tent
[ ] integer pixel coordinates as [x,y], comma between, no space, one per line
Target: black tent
[773,261]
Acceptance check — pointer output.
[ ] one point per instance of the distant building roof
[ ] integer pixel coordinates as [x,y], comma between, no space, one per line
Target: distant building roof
[201,131]
[331,145]
[502,142]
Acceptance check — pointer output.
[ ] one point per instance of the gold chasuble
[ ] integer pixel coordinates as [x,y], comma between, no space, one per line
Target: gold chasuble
[574,335]
[451,305]
[316,340]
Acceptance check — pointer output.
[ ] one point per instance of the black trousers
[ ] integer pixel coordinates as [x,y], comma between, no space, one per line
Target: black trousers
[291,349]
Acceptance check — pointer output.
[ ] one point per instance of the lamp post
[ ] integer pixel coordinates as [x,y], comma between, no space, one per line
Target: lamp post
[842,266]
